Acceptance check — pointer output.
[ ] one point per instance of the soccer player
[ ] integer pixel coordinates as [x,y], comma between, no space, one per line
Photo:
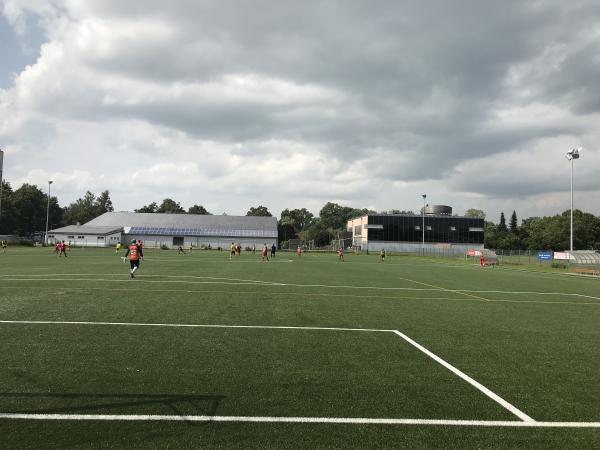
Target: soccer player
[118,247]
[265,253]
[253,249]
[135,254]
[273,250]
[341,254]
[233,250]
[382,254]
[63,249]
[180,250]
[57,248]
[299,251]
[4,245]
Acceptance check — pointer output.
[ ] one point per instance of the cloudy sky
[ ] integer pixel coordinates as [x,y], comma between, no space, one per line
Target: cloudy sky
[292,104]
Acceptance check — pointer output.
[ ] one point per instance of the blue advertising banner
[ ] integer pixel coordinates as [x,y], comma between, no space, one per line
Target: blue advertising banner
[545,256]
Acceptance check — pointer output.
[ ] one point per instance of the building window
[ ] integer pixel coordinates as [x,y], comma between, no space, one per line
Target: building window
[70,237]
[357,230]
[177,240]
[476,229]
[418,227]
[78,237]
[452,228]
[428,228]
[101,238]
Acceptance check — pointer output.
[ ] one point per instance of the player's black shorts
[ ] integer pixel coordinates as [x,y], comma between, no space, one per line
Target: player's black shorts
[134,263]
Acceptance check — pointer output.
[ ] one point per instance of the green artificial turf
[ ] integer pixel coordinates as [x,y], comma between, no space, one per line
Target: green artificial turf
[532,337]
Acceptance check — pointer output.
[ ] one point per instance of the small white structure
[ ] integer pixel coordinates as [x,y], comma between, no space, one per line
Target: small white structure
[86,236]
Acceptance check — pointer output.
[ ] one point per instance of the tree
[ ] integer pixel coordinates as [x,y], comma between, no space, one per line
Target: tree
[103,203]
[319,233]
[259,211]
[513,227]
[30,205]
[81,210]
[170,206]
[8,215]
[477,213]
[198,209]
[88,207]
[151,208]
[502,225]
[298,219]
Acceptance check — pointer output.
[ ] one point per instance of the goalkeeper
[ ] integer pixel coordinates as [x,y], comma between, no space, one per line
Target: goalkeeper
[135,255]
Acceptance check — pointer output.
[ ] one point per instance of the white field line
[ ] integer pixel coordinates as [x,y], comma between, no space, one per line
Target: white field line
[513,409]
[322,294]
[329,420]
[187,325]
[436,358]
[216,280]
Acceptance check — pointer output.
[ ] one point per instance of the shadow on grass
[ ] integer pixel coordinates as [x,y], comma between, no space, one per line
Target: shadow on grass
[199,405]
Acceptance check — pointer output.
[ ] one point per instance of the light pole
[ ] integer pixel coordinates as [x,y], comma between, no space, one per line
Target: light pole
[571,155]
[47,212]
[423,225]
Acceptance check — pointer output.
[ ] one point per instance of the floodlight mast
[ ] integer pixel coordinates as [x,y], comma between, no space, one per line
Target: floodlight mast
[571,155]
[423,225]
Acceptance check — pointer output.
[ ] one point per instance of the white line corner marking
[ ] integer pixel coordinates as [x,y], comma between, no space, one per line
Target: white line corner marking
[517,412]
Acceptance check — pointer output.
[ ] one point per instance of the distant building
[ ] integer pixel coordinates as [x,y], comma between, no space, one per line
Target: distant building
[170,230]
[404,233]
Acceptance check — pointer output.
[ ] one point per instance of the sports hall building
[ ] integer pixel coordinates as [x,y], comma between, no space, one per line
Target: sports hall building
[170,230]
[441,231]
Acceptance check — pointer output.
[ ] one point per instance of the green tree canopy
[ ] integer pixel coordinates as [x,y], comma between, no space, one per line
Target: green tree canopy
[502,225]
[170,206]
[477,213]
[151,208]
[513,226]
[198,209]
[298,219]
[30,205]
[259,211]
[87,208]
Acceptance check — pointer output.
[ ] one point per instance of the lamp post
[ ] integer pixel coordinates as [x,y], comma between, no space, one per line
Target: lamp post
[47,212]
[571,155]
[423,225]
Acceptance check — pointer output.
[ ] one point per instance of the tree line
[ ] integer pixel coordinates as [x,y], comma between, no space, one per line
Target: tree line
[542,233]
[24,214]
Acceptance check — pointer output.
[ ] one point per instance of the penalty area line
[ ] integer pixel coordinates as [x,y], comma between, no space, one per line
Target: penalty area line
[513,409]
[325,420]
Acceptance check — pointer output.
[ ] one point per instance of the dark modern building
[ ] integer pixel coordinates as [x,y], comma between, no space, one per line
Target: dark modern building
[405,233]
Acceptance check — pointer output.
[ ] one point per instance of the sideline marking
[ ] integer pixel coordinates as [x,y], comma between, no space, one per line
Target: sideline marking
[187,325]
[333,420]
[520,414]
[240,281]
[513,409]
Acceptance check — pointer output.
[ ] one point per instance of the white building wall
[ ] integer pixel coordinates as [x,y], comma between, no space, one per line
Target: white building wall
[85,240]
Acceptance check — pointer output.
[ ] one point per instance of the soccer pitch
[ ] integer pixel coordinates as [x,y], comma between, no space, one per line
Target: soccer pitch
[298,352]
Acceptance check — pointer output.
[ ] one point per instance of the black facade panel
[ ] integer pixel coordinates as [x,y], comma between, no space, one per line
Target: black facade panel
[444,229]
